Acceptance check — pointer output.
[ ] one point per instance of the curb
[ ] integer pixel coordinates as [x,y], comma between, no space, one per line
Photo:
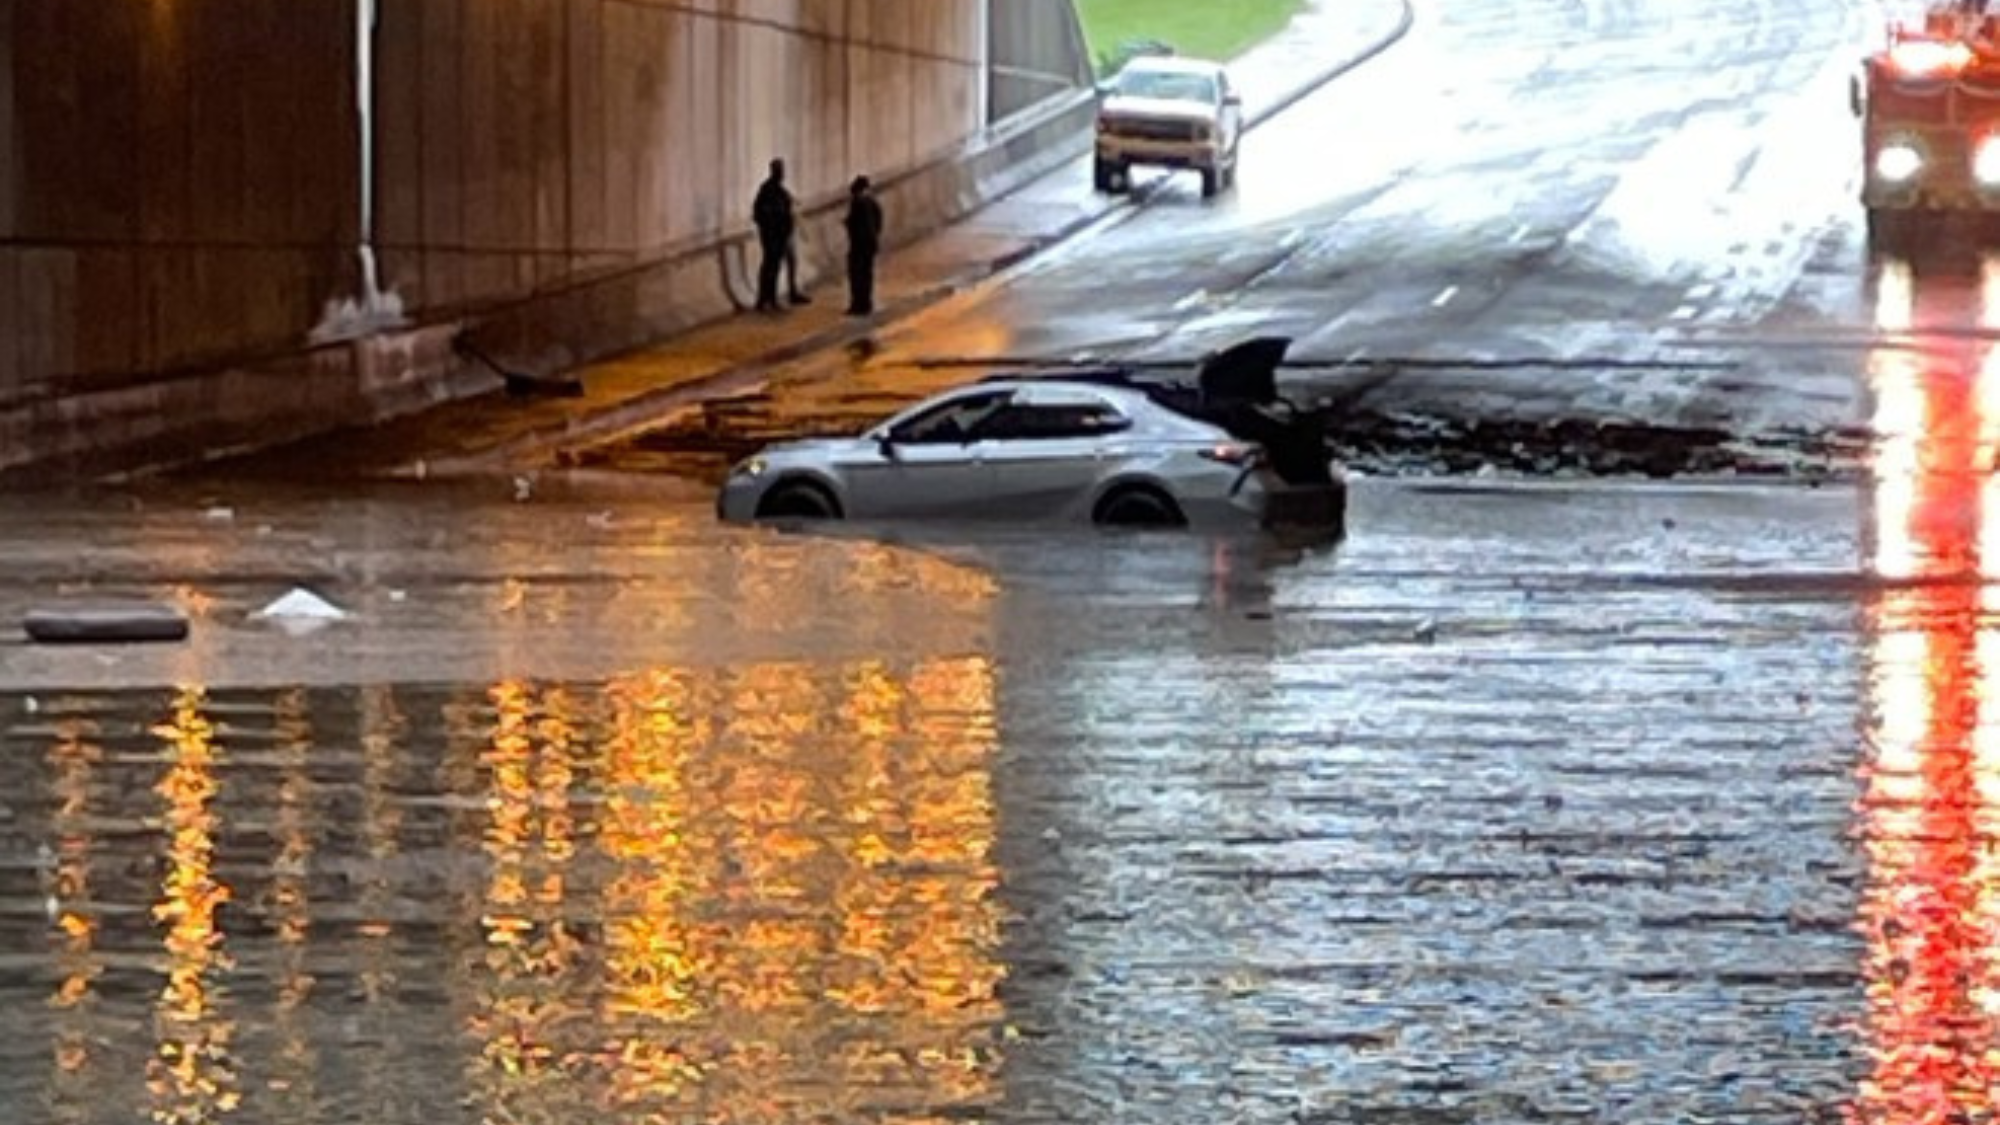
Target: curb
[545,442]
[632,412]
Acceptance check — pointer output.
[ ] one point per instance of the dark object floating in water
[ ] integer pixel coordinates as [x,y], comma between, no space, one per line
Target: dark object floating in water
[106,623]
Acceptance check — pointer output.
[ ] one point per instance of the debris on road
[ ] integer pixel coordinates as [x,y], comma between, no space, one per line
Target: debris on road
[106,623]
[300,612]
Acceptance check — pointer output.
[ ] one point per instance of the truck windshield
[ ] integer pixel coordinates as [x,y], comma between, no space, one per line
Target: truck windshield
[1167,86]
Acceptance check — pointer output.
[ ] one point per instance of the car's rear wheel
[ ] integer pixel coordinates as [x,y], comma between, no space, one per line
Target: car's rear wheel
[798,500]
[1138,506]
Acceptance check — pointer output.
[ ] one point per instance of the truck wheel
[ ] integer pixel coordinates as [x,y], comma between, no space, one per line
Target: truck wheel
[1211,182]
[1112,178]
[1889,231]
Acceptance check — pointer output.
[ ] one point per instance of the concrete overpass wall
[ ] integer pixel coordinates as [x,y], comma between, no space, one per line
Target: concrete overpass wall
[181,216]
[1036,52]
[178,183]
[525,142]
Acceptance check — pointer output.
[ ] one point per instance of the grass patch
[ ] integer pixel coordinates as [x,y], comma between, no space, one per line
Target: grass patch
[1208,29]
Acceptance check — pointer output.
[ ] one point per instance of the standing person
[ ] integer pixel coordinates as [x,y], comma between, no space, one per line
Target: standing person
[776,217]
[864,241]
[798,295]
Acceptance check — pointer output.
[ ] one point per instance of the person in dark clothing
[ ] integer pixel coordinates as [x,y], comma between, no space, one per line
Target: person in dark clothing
[798,295]
[775,214]
[864,241]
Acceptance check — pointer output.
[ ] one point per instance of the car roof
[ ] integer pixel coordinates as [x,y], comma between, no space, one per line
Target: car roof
[1175,64]
[1067,390]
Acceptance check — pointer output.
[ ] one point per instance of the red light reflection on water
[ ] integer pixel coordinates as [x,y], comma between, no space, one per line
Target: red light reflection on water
[1930,796]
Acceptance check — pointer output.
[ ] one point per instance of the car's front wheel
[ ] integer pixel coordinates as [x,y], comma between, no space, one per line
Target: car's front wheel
[798,500]
[1138,506]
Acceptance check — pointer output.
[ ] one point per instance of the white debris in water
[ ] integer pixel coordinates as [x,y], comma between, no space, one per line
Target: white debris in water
[301,602]
[219,514]
[301,611]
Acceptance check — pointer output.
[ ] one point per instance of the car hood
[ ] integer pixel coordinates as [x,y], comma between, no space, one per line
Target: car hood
[814,450]
[1169,108]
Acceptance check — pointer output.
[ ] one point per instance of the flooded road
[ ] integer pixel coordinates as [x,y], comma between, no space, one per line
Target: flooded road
[1555,800]
[1526,803]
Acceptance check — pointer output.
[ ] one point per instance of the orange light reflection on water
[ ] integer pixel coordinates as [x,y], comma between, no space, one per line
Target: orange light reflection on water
[780,896]
[530,949]
[192,1074]
[289,907]
[73,760]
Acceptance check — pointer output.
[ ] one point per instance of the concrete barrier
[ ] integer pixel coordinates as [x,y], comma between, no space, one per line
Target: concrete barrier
[205,414]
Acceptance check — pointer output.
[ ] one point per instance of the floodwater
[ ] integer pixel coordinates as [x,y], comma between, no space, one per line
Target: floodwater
[1525,803]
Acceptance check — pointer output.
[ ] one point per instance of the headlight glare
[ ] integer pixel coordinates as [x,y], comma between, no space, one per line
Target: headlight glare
[1898,163]
[752,468]
[1986,163]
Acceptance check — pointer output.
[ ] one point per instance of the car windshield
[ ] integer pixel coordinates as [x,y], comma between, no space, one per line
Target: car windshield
[1167,85]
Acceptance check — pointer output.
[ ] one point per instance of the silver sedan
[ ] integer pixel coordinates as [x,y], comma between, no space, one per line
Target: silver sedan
[1028,449]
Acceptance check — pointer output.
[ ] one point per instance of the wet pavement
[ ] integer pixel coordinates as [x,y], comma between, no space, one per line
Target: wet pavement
[595,811]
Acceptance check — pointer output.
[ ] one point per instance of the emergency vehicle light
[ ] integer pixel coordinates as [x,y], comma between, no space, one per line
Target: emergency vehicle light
[1929,56]
[1986,163]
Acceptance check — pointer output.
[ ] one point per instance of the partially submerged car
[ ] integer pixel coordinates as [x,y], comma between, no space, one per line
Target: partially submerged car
[1099,445]
[1168,112]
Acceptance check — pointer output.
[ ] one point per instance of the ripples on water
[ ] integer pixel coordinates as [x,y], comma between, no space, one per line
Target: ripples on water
[754,895]
[1165,843]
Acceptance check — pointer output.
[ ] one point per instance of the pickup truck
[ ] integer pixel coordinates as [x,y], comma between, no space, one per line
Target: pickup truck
[1166,111]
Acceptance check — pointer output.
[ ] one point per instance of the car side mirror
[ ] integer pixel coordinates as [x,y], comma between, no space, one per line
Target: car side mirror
[887,446]
[1233,100]
[1104,89]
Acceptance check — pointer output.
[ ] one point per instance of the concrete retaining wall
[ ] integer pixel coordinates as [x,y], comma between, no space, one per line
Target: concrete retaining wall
[570,177]
[157,215]
[1036,52]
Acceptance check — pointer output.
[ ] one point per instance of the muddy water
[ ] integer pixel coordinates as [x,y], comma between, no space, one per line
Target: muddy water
[1523,804]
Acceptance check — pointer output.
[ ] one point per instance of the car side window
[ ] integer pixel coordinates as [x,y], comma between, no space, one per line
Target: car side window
[1052,421]
[949,423]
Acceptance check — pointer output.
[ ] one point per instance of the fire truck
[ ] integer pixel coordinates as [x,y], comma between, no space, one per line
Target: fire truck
[1929,104]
